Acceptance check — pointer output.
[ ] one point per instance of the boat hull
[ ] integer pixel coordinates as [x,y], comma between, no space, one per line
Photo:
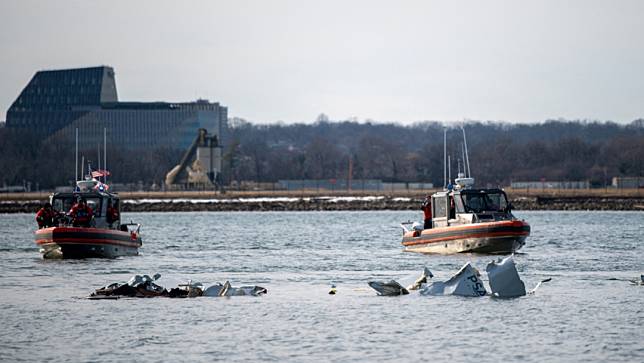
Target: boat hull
[73,242]
[493,237]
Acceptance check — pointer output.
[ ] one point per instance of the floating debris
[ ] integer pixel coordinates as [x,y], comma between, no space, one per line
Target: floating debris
[504,279]
[144,286]
[466,282]
[421,280]
[227,290]
[391,288]
[539,284]
[333,290]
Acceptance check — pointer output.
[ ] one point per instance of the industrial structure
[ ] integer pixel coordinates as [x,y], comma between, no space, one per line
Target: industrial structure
[200,166]
[57,102]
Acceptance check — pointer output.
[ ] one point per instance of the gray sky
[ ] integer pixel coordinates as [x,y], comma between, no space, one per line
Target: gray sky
[519,61]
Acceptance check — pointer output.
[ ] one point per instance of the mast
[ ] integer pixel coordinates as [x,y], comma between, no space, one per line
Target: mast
[444,158]
[76,161]
[467,157]
[105,154]
[449,169]
[463,159]
[98,163]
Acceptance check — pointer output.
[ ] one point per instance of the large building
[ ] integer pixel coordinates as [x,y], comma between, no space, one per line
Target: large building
[57,102]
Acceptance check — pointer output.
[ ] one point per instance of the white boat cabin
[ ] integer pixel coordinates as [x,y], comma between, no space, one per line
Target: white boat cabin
[466,206]
[97,200]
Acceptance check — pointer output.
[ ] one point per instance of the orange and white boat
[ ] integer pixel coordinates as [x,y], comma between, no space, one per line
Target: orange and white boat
[468,220]
[102,238]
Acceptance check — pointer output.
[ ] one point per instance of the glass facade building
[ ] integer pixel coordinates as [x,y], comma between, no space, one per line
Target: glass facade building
[55,103]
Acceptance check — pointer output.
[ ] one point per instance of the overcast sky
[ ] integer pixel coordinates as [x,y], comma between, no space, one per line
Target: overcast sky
[518,61]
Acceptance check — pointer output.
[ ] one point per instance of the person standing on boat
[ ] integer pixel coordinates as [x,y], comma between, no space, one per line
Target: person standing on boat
[81,214]
[427,211]
[45,216]
[112,213]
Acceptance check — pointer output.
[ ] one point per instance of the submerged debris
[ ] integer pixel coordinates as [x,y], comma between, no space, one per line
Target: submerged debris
[227,290]
[421,280]
[137,286]
[144,286]
[638,282]
[391,288]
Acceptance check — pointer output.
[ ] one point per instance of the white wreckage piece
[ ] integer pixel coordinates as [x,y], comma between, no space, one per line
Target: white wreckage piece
[504,282]
[466,282]
[504,279]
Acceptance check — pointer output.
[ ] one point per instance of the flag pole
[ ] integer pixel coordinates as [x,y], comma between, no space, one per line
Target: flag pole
[76,162]
[105,154]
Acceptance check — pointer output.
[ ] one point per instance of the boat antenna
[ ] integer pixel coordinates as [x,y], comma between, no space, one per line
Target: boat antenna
[449,169]
[444,158]
[105,154]
[98,164]
[76,160]
[463,159]
[467,157]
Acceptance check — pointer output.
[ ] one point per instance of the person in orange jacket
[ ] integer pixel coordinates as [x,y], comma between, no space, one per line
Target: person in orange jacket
[112,213]
[45,216]
[81,214]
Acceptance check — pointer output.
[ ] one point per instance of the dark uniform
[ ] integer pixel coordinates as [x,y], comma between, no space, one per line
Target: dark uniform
[427,212]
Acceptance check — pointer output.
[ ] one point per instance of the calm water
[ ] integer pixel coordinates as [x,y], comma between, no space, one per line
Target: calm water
[579,316]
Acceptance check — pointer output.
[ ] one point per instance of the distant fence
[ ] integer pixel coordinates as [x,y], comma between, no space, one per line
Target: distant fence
[581,184]
[344,184]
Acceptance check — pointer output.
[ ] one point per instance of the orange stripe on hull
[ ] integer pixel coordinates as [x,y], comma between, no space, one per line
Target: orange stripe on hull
[474,226]
[478,235]
[84,241]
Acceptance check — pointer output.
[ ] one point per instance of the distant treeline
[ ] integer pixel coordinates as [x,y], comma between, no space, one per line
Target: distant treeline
[499,153]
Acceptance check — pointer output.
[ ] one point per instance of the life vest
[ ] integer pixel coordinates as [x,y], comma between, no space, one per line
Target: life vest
[81,214]
[44,217]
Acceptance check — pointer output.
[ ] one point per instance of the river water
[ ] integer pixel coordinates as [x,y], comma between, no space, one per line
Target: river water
[581,315]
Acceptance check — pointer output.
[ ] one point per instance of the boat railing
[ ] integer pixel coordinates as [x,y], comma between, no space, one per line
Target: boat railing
[131,227]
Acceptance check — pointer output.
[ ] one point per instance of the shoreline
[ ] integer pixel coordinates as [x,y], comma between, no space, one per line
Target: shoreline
[338,203]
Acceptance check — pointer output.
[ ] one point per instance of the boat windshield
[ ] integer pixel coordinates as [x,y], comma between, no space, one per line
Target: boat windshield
[485,201]
[64,204]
